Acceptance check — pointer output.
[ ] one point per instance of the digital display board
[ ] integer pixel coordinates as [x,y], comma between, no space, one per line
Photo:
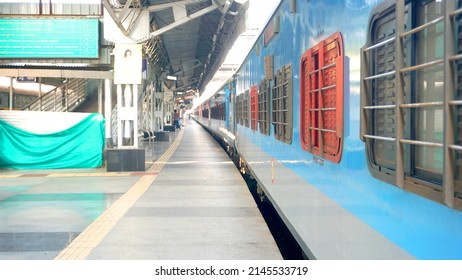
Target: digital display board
[49,38]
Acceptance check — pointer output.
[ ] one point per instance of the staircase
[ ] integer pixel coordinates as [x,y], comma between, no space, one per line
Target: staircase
[65,98]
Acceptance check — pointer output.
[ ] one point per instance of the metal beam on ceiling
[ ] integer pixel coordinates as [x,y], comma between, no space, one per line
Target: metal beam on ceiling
[180,9]
[182,14]
[214,41]
[123,15]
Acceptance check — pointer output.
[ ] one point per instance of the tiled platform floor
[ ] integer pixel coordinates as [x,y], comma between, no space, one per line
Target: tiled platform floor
[191,203]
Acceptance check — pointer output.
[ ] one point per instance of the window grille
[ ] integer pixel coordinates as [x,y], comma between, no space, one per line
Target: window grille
[264,109]
[321,98]
[410,97]
[206,109]
[239,119]
[245,108]
[282,104]
[253,107]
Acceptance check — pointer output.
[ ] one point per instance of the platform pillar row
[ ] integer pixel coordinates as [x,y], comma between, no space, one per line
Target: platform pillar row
[127,77]
[108,112]
[127,116]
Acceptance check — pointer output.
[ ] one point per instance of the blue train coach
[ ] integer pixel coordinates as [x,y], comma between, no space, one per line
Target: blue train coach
[349,116]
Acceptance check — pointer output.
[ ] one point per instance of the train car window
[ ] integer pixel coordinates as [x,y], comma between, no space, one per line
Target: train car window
[410,98]
[216,110]
[213,110]
[242,108]
[427,122]
[321,98]
[217,106]
[239,118]
[458,114]
[245,108]
[205,110]
[282,104]
[264,109]
[254,107]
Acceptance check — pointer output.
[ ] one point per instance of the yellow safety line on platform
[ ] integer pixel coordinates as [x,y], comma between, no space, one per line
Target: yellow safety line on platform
[82,246]
[10,176]
[98,174]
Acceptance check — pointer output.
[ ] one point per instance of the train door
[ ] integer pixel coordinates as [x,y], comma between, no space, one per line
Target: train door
[232,107]
[227,106]
[209,115]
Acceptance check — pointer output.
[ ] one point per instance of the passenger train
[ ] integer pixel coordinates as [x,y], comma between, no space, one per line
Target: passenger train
[348,114]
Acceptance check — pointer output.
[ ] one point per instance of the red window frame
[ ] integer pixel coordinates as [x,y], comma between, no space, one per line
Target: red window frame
[321,98]
[254,107]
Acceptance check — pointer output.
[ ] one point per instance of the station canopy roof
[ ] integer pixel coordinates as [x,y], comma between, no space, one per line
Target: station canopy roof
[188,38]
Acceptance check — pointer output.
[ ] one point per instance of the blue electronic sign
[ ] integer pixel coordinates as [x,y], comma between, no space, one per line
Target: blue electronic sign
[49,38]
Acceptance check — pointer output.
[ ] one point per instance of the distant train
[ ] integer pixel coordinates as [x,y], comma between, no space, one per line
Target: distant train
[349,116]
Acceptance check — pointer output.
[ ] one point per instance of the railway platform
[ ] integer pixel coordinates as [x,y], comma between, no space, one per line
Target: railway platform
[190,203]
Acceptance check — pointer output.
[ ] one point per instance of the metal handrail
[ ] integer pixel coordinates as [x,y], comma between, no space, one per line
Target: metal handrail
[455,102]
[322,68]
[390,139]
[380,44]
[421,143]
[38,99]
[62,102]
[455,13]
[421,66]
[329,87]
[455,57]
[380,75]
[322,129]
[422,105]
[421,27]
[328,66]
[379,107]
[455,147]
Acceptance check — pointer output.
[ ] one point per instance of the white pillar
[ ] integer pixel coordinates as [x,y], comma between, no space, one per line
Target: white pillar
[108,109]
[152,108]
[11,94]
[135,115]
[127,104]
[127,115]
[127,76]
[119,121]
[40,93]
[100,97]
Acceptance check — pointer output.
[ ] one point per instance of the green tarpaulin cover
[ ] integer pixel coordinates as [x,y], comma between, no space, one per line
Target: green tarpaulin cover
[80,146]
